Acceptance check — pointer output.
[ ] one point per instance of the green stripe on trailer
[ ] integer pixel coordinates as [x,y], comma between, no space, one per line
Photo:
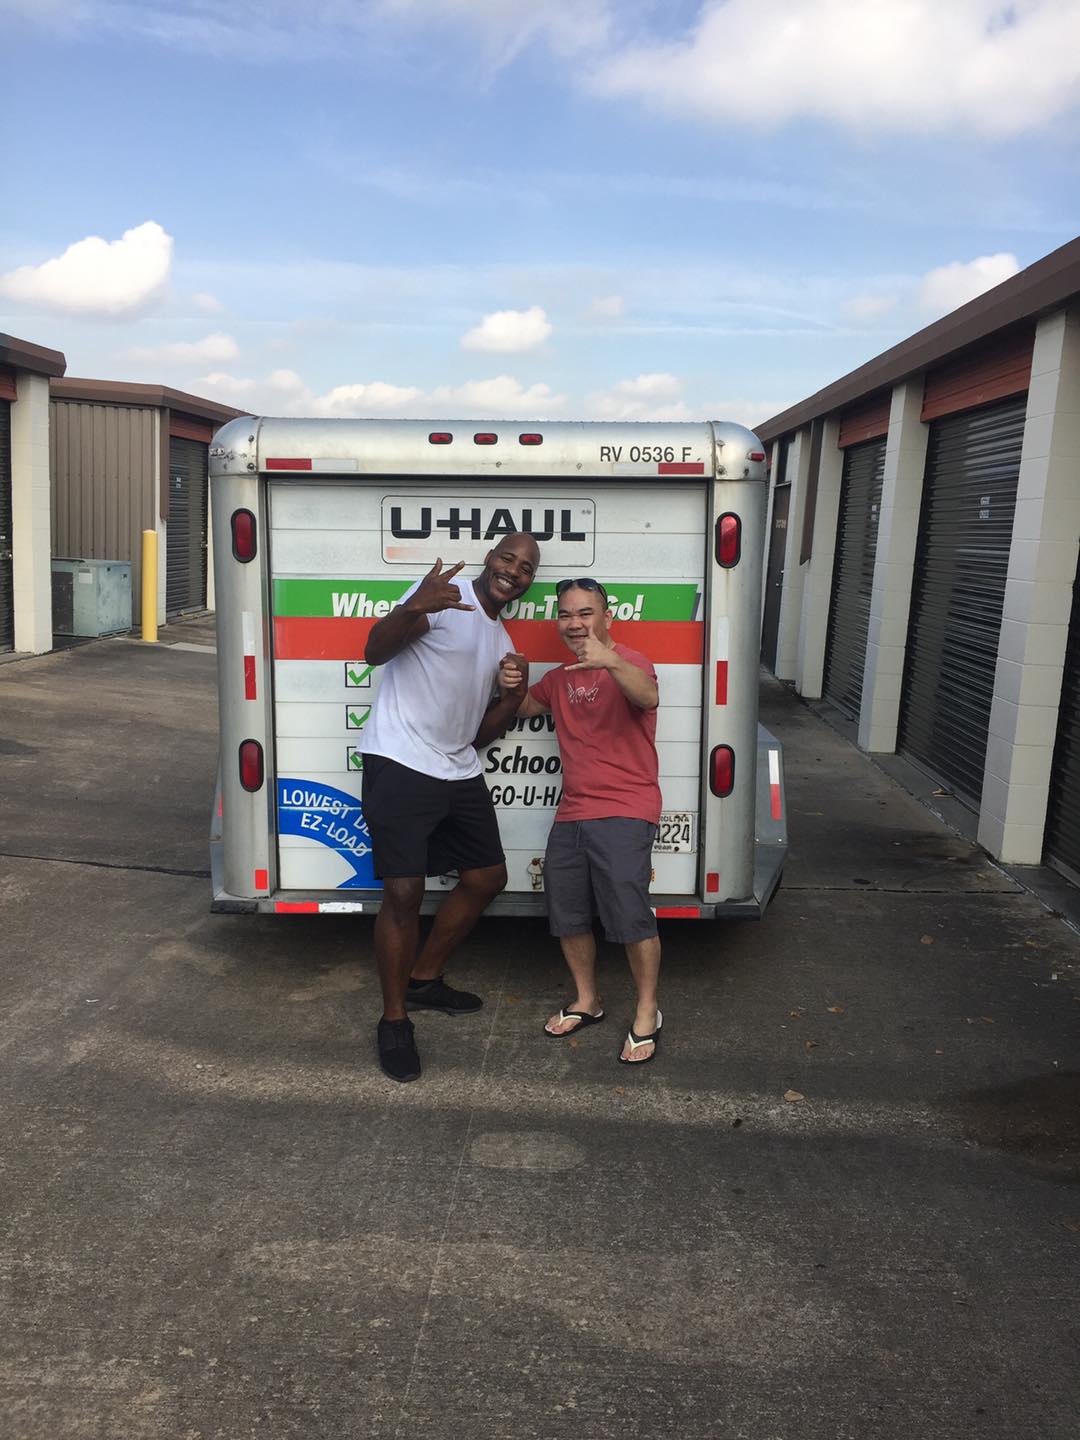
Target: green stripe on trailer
[336,597]
[329,599]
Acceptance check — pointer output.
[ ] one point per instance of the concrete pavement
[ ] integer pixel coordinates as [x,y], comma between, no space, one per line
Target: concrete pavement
[219,1220]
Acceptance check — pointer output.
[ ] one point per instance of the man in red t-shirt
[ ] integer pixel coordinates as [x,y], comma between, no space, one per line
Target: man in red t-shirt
[599,853]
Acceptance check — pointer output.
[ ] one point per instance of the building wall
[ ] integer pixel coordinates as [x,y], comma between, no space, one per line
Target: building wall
[31,551]
[1042,568]
[105,483]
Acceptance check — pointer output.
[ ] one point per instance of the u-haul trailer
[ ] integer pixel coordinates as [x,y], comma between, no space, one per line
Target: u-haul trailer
[320,526]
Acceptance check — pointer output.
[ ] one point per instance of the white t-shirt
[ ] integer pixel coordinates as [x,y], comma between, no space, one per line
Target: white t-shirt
[433,694]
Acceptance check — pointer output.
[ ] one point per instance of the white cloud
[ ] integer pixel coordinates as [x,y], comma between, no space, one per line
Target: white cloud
[212,349]
[208,304]
[509,332]
[648,397]
[950,286]
[501,397]
[287,382]
[607,307]
[862,309]
[373,398]
[96,276]
[284,392]
[277,29]
[892,65]
[567,26]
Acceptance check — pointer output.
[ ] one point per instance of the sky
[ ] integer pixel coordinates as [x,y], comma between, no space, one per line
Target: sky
[526,209]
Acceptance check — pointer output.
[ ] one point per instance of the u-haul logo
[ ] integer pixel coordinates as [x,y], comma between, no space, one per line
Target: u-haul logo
[463,527]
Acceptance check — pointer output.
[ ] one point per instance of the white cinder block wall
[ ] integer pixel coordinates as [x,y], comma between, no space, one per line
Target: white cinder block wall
[894,568]
[787,643]
[817,584]
[31,517]
[1038,601]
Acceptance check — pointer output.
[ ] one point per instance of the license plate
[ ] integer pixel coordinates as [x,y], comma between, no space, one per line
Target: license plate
[676,832]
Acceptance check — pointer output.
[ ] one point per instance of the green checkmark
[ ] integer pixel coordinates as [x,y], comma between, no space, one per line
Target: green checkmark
[356,676]
[355,758]
[356,719]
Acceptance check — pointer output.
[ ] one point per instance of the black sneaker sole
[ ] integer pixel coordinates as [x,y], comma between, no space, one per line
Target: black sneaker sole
[416,1004]
[401,1079]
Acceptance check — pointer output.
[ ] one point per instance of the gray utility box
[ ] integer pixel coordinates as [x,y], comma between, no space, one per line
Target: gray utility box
[91,597]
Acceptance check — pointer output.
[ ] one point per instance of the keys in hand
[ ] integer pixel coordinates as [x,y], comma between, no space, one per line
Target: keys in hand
[513,675]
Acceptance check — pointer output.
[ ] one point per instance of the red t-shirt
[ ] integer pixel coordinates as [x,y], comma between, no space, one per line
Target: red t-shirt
[608,745]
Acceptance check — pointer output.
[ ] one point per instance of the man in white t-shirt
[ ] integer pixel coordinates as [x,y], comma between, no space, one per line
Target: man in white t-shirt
[452,683]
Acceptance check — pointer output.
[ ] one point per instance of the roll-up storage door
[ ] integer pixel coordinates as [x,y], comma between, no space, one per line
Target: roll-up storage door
[853,574]
[1062,840]
[961,564]
[7,590]
[185,530]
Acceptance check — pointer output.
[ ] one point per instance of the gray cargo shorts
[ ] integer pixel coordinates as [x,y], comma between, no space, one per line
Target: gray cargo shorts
[600,867]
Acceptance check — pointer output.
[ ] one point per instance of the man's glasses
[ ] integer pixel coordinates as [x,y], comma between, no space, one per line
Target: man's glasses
[584,582]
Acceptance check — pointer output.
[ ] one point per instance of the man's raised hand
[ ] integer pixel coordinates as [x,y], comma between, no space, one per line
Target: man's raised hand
[593,654]
[435,591]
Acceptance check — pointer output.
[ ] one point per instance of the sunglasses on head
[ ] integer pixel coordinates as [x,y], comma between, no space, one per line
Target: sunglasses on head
[583,582]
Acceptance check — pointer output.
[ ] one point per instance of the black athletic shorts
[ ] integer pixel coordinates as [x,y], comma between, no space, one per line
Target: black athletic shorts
[423,826]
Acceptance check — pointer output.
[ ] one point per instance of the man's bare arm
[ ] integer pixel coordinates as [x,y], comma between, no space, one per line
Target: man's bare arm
[513,685]
[531,706]
[408,621]
[638,686]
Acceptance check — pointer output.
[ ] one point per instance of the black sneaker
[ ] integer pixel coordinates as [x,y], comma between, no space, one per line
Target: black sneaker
[398,1054]
[437,995]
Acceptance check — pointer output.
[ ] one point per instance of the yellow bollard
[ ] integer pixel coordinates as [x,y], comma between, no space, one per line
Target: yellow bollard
[149,585]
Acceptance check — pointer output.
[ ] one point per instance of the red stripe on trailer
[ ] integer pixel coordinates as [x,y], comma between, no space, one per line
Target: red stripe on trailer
[712,882]
[691,467]
[665,642]
[262,880]
[721,682]
[677,912]
[288,463]
[297,907]
[249,677]
[775,808]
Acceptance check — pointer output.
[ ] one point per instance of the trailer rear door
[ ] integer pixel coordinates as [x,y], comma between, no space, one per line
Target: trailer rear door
[343,553]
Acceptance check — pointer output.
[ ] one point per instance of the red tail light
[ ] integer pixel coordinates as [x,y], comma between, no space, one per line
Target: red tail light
[440,437]
[530,439]
[251,765]
[722,771]
[485,438]
[728,540]
[243,535]
[756,455]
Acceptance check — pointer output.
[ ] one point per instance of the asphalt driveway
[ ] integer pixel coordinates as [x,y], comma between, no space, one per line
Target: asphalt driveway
[843,1203]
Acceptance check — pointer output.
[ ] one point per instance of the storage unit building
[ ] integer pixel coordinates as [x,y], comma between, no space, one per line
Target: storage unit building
[128,458]
[939,553]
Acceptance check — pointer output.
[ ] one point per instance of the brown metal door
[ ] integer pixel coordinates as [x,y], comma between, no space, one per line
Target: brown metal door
[853,574]
[185,530]
[958,591]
